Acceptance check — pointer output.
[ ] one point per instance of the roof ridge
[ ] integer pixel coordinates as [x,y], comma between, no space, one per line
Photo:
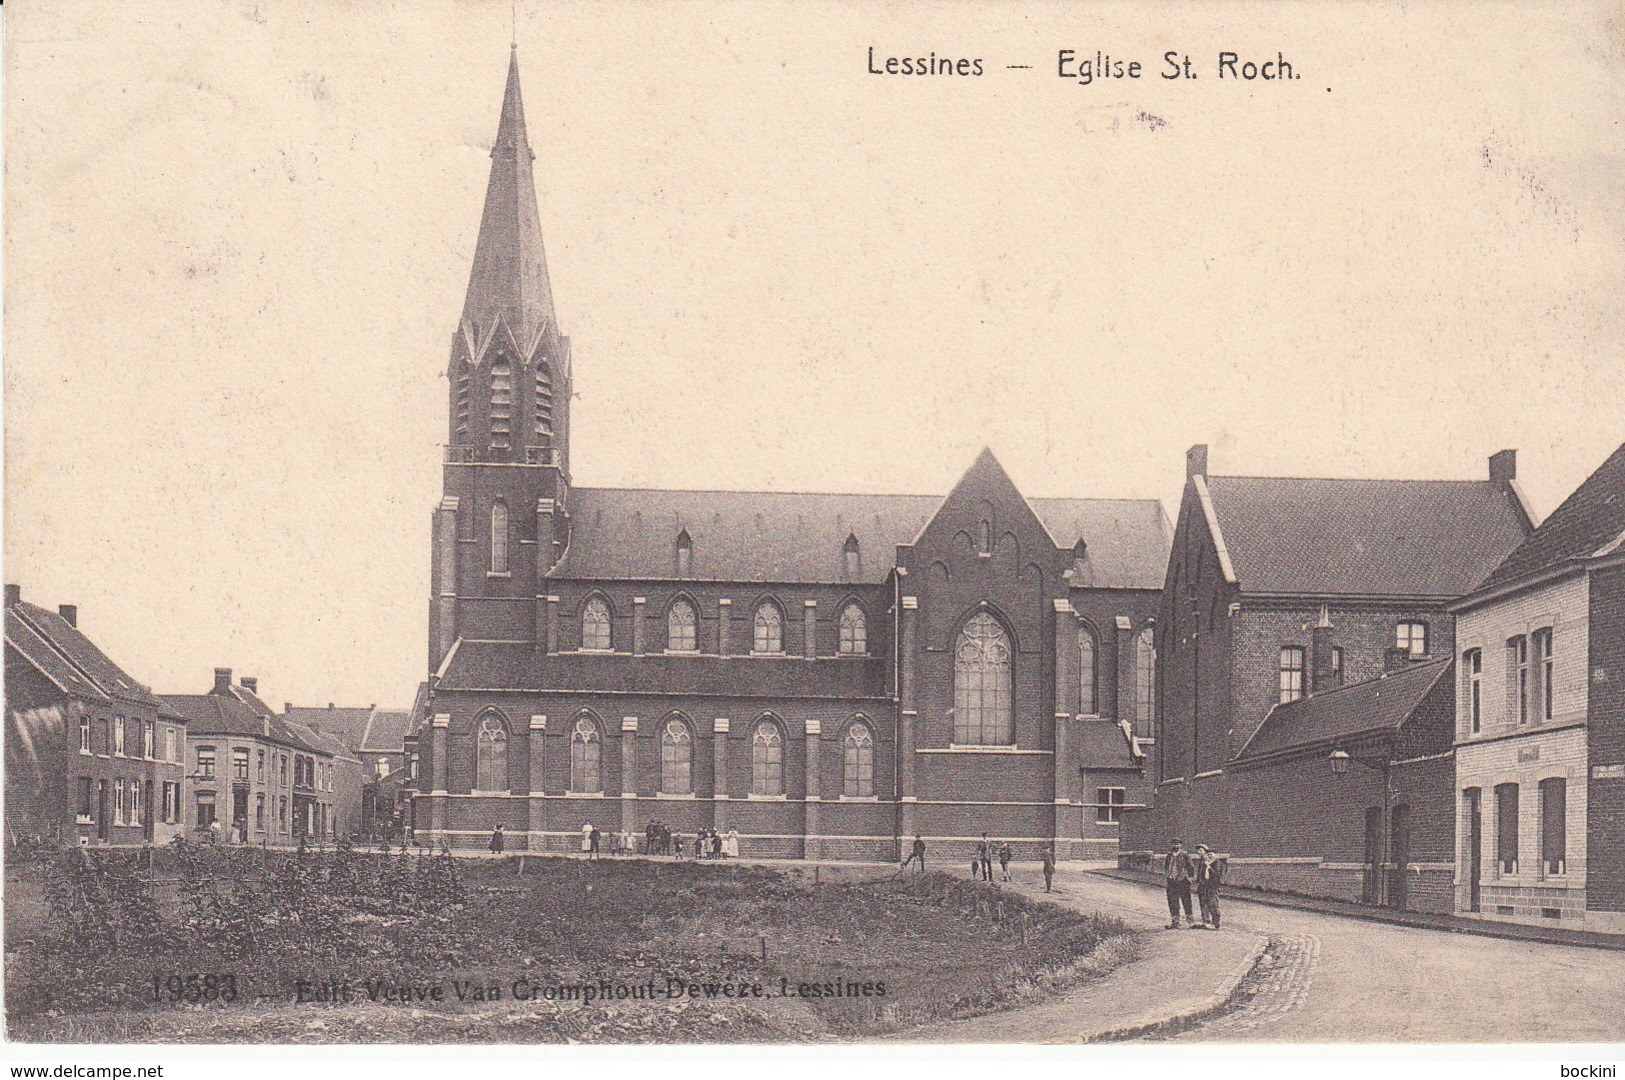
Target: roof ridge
[1355,479]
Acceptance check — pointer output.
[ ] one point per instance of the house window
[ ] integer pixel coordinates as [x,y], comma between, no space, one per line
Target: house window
[205,763]
[118,735]
[1109,805]
[147,733]
[1506,827]
[595,626]
[283,770]
[849,557]
[259,811]
[1145,685]
[499,537]
[1553,826]
[205,809]
[84,734]
[491,756]
[767,760]
[1544,668]
[239,763]
[982,683]
[854,632]
[680,627]
[1412,637]
[1291,674]
[501,404]
[86,797]
[1472,667]
[259,766]
[170,754]
[282,813]
[858,752]
[118,801]
[1518,680]
[1087,703]
[412,772]
[685,554]
[676,757]
[1337,665]
[769,629]
[585,752]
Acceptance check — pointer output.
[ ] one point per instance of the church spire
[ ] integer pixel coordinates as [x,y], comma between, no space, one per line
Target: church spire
[509,278]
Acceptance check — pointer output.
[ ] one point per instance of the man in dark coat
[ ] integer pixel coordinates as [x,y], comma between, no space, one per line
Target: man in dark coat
[1177,872]
[1209,874]
[918,852]
[1049,868]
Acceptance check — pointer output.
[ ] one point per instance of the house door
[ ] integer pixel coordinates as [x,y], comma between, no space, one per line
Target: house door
[1371,887]
[1475,846]
[1401,856]
[101,811]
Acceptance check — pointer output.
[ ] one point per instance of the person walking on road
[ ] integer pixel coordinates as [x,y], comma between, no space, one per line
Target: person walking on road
[1209,875]
[1049,868]
[1004,860]
[1177,872]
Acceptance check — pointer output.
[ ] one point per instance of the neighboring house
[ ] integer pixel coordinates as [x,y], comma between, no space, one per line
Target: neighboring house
[339,782]
[374,736]
[92,755]
[1540,721]
[1279,592]
[263,780]
[828,674]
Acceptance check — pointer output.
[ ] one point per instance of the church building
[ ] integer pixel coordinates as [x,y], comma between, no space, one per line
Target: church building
[829,675]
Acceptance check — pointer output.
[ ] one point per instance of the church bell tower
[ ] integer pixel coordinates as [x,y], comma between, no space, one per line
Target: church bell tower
[502,520]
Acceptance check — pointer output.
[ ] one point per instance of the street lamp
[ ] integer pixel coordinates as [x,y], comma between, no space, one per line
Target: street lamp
[1340,762]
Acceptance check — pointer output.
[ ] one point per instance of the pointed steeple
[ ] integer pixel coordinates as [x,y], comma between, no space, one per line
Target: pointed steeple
[509,278]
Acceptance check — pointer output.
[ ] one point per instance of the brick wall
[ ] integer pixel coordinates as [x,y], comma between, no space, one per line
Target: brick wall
[1606,732]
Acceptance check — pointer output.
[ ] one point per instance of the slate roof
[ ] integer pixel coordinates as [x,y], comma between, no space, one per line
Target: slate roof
[758,536]
[1379,705]
[1411,538]
[1103,744]
[320,740]
[349,724]
[386,732]
[70,659]
[218,714]
[1590,521]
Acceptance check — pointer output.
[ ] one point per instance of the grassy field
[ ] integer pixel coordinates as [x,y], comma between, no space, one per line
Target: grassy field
[354,947]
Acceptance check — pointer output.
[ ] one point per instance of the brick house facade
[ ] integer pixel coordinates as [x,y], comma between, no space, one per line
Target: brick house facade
[1540,721]
[829,675]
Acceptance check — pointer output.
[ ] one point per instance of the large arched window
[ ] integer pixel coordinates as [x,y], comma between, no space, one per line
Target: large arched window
[501,404]
[676,757]
[859,754]
[1088,703]
[586,754]
[499,537]
[680,622]
[767,760]
[854,631]
[1145,685]
[769,628]
[982,683]
[491,755]
[595,626]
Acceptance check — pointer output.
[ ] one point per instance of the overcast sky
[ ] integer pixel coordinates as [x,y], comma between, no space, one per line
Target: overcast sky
[238,235]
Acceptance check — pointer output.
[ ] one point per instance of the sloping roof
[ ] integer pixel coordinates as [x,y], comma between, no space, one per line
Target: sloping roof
[251,699]
[1103,744]
[57,648]
[319,740]
[349,724]
[1413,538]
[1588,522]
[631,533]
[1361,708]
[385,732]
[220,714]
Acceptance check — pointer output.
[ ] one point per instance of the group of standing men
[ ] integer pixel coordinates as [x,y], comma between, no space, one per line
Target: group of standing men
[981,863]
[1180,871]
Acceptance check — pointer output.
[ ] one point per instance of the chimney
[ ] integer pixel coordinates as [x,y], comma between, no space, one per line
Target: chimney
[250,683]
[329,706]
[69,613]
[1196,461]
[1322,677]
[1395,659]
[222,682]
[287,707]
[1504,467]
[14,595]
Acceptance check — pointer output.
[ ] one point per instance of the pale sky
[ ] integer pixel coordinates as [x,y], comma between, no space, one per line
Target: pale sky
[238,235]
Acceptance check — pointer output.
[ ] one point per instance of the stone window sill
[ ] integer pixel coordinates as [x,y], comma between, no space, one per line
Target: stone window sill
[754,797]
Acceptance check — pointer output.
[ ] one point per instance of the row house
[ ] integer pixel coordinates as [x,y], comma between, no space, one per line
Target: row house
[92,755]
[1540,721]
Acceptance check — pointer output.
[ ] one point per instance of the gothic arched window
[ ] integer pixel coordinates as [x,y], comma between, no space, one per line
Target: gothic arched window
[595,635]
[499,537]
[1145,684]
[767,760]
[849,557]
[586,752]
[859,755]
[854,632]
[685,554]
[491,756]
[501,404]
[680,627]
[982,683]
[676,755]
[769,628]
[1088,704]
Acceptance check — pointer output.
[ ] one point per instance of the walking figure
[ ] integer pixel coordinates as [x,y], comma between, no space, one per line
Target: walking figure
[1209,875]
[1004,860]
[918,852]
[1049,868]
[1177,873]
